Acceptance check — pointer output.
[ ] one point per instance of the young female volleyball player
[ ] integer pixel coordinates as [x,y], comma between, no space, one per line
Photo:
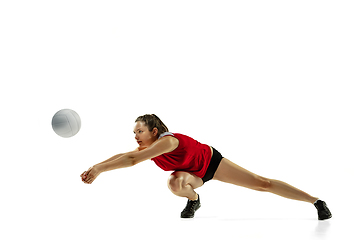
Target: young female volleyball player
[193,164]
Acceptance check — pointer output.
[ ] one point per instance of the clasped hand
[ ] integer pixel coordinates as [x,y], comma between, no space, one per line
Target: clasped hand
[90,175]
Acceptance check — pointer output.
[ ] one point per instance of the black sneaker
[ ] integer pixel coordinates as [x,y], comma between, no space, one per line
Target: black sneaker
[190,209]
[323,210]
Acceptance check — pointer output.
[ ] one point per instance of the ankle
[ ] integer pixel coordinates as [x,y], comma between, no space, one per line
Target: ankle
[313,201]
[195,198]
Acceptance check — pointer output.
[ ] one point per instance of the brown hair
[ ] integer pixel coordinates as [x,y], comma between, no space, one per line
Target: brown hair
[152,121]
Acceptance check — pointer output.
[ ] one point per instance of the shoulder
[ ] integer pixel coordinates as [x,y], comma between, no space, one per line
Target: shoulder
[169,138]
[169,141]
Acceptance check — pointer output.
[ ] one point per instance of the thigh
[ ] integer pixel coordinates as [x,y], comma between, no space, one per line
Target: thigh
[188,178]
[230,172]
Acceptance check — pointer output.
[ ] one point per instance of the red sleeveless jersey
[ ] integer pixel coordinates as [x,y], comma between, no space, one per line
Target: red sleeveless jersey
[190,156]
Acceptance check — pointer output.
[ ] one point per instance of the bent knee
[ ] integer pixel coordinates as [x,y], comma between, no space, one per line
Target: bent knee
[175,183]
[263,184]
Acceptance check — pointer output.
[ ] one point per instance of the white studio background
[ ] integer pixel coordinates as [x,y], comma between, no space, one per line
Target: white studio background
[273,85]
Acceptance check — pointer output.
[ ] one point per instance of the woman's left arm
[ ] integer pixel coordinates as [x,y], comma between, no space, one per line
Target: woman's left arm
[161,146]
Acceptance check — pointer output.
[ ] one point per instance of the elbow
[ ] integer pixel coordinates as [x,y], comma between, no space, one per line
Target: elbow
[132,160]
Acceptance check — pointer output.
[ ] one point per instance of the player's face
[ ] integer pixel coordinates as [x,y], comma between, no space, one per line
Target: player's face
[143,136]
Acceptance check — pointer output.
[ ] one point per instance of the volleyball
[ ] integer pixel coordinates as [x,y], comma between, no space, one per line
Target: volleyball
[66,123]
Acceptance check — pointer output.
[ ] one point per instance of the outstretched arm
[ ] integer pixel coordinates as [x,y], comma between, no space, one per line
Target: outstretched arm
[117,156]
[164,145]
[83,175]
[120,161]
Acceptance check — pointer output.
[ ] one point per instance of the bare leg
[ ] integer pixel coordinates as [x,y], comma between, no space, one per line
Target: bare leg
[183,184]
[229,172]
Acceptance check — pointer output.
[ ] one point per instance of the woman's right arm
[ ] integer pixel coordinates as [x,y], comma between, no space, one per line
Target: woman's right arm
[118,156]
[129,159]
[109,160]
[112,158]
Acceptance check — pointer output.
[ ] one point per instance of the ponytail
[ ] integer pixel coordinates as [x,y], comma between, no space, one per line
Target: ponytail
[152,121]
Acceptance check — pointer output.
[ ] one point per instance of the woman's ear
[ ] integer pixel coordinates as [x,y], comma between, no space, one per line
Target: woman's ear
[155,131]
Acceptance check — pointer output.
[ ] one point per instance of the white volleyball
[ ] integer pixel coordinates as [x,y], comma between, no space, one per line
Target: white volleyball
[66,123]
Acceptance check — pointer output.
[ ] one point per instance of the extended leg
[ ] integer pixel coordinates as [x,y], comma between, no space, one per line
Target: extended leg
[229,172]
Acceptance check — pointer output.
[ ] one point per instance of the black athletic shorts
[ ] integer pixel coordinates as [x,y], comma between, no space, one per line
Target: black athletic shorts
[213,166]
